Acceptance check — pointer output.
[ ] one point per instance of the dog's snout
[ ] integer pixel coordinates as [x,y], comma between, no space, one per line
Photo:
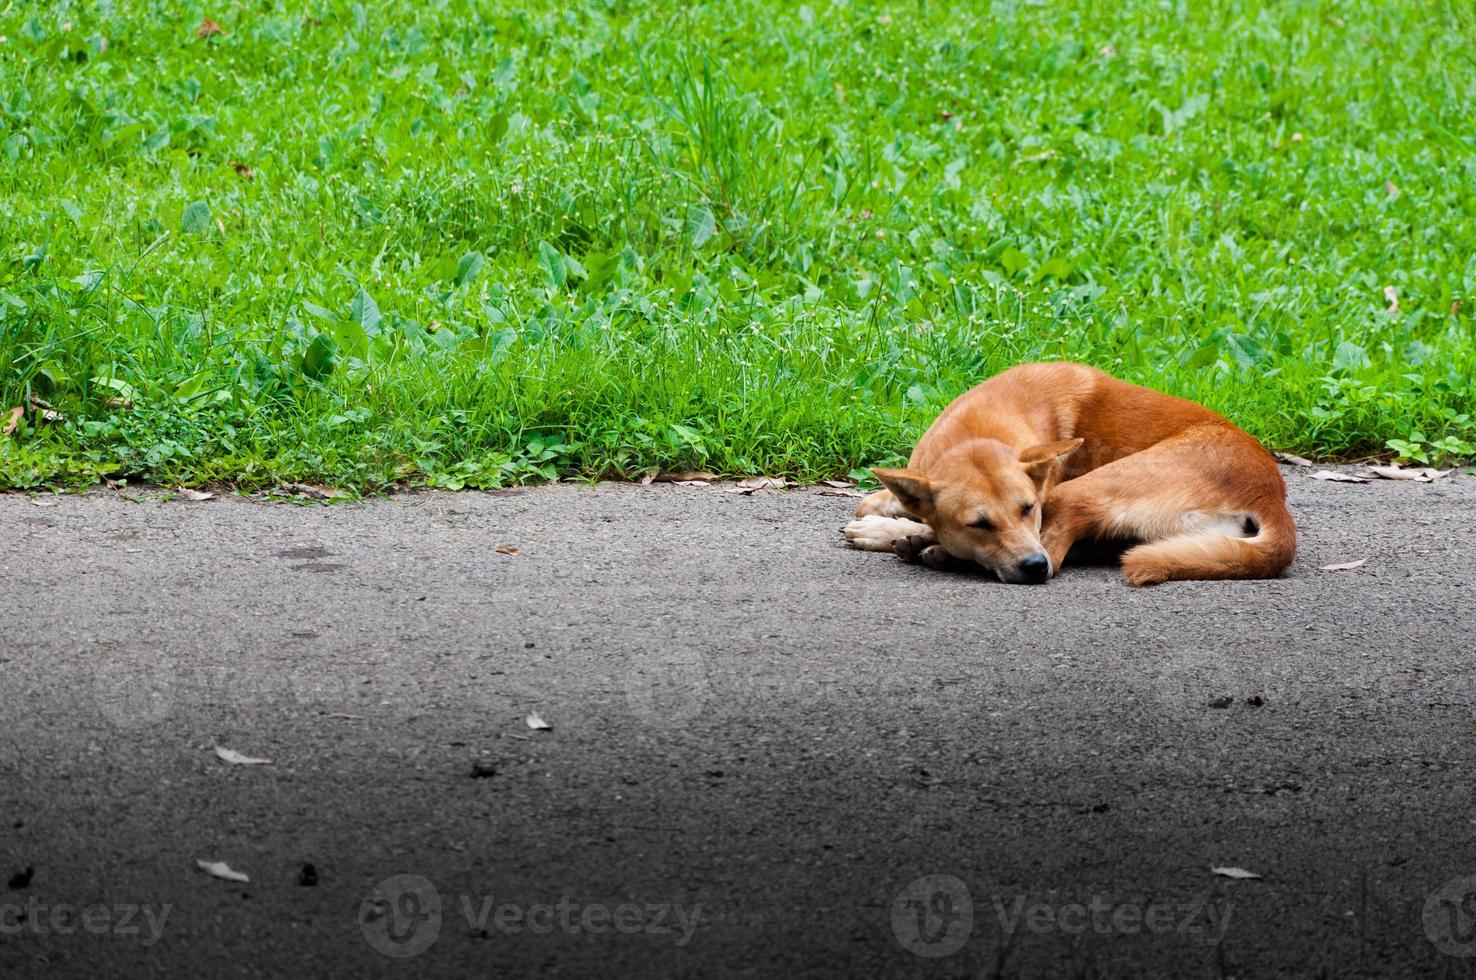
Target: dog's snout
[1036,568]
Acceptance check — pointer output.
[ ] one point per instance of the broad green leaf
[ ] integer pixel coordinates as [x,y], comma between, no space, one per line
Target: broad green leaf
[468,268]
[1202,357]
[554,268]
[1014,260]
[365,312]
[318,359]
[196,218]
[701,226]
[1349,357]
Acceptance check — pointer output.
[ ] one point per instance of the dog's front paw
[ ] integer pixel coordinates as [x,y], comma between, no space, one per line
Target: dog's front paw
[933,556]
[921,549]
[911,547]
[876,533]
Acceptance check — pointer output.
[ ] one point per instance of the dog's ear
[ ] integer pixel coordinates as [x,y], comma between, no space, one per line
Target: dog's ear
[1038,460]
[910,487]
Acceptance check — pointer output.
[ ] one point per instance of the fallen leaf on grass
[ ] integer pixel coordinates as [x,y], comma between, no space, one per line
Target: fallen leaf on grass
[196,496]
[237,759]
[313,491]
[1336,477]
[13,418]
[1294,459]
[221,870]
[242,170]
[685,477]
[208,28]
[535,721]
[1420,474]
[753,483]
[508,549]
[1344,566]
[45,410]
[1239,873]
[1392,295]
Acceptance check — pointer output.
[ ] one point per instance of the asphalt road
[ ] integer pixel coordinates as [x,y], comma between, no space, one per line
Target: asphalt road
[769,755]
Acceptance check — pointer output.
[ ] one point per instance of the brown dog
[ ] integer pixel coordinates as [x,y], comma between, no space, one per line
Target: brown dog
[1020,468]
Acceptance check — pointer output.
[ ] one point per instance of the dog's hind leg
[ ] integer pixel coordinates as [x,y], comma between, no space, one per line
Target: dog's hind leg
[1207,503]
[882,503]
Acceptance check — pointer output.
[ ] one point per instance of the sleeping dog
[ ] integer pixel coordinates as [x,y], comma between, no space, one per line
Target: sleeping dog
[1020,468]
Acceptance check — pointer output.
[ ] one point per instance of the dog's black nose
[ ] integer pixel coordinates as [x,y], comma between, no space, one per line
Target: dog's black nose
[1036,568]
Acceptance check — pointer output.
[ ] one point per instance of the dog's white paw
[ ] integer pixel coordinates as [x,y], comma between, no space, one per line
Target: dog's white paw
[877,533]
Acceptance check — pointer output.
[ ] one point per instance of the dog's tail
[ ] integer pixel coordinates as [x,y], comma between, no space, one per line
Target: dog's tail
[1213,554]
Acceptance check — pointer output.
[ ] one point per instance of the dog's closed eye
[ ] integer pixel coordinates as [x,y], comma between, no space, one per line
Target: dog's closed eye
[1025,509]
[984,524]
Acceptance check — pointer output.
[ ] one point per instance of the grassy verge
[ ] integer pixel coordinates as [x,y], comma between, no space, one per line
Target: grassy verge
[369,245]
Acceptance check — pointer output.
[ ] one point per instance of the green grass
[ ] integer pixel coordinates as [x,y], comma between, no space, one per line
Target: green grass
[401,243]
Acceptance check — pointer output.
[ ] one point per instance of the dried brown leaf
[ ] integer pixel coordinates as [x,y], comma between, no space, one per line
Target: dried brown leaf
[1345,566]
[194,496]
[238,759]
[1294,459]
[764,483]
[313,491]
[685,476]
[1420,474]
[208,28]
[1333,476]
[1392,295]
[44,409]
[508,549]
[221,870]
[12,417]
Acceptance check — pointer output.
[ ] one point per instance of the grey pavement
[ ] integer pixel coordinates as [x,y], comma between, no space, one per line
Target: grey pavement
[770,755]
